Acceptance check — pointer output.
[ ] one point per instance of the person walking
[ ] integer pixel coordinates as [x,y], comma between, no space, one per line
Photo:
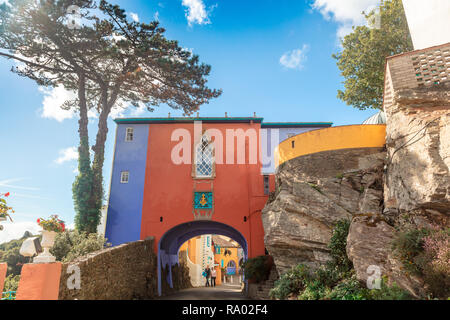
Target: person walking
[207,274]
[213,277]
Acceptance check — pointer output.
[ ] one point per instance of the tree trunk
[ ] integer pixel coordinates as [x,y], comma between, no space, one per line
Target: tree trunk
[99,159]
[82,186]
[83,122]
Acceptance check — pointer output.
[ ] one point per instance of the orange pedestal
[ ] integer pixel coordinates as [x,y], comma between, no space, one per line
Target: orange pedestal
[3,268]
[39,282]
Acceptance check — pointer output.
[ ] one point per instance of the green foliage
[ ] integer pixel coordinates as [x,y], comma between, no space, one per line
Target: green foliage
[291,282]
[334,281]
[408,247]
[389,293]
[108,60]
[11,283]
[9,253]
[87,211]
[362,60]
[315,187]
[70,245]
[52,224]
[348,289]
[5,210]
[257,269]
[338,245]
[426,253]
[314,290]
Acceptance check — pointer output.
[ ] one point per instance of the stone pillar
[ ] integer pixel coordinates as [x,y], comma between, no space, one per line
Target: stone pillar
[3,268]
[39,281]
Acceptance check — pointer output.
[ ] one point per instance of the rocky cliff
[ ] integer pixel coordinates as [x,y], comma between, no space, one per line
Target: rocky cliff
[418,144]
[313,193]
[406,186]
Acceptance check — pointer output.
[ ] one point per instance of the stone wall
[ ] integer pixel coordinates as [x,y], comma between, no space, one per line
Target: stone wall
[124,272]
[313,193]
[261,291]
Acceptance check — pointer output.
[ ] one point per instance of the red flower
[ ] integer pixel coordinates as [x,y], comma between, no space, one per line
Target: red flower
[38,221]
[63,226]
[7,194]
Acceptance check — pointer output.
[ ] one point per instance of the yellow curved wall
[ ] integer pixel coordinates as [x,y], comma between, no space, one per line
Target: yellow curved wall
[333,138]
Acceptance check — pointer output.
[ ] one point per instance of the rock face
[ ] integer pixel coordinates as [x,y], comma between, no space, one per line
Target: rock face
[314,192]
[418,145]
[369,244]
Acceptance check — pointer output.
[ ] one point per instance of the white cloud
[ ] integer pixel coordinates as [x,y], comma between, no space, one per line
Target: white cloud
[196,12]
[55,97]
[136,112]
[16,230]
[134,16]
[53,100]
[68,154]
[346,13]
[295,59]
[10,183]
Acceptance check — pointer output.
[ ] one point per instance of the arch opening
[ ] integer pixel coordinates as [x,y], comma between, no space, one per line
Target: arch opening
[173,239]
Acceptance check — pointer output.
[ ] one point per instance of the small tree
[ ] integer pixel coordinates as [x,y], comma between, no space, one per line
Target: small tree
[362,60]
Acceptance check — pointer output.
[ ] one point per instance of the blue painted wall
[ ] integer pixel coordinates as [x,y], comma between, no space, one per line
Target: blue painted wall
[283,135]
[124,217]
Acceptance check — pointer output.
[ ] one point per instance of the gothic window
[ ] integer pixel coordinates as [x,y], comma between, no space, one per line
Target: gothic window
[204,158]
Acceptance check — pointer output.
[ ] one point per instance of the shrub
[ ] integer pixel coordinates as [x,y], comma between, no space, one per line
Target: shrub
[348,289]
[426,253]
[436,262]
[314,290]
[408,246]
[292,282]
[258,269]
[11,283]
[338,245]
[70,245]
[389,293]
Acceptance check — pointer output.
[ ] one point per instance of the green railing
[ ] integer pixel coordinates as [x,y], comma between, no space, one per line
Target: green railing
[9,295]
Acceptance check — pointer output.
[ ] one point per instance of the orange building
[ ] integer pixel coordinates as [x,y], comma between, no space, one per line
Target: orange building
[178,178]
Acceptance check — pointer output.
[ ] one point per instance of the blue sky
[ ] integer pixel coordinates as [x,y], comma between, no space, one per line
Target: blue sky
[271,57]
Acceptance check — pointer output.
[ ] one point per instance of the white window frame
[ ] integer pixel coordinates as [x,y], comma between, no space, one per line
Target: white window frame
[195,167]
[124,174]
[129,130]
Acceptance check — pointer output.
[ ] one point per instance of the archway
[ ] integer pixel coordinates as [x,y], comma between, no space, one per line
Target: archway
[173,239]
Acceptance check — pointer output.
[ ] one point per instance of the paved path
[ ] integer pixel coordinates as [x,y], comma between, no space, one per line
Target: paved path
[223,292]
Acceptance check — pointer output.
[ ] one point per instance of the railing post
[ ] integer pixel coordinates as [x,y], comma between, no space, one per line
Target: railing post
[39,281]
